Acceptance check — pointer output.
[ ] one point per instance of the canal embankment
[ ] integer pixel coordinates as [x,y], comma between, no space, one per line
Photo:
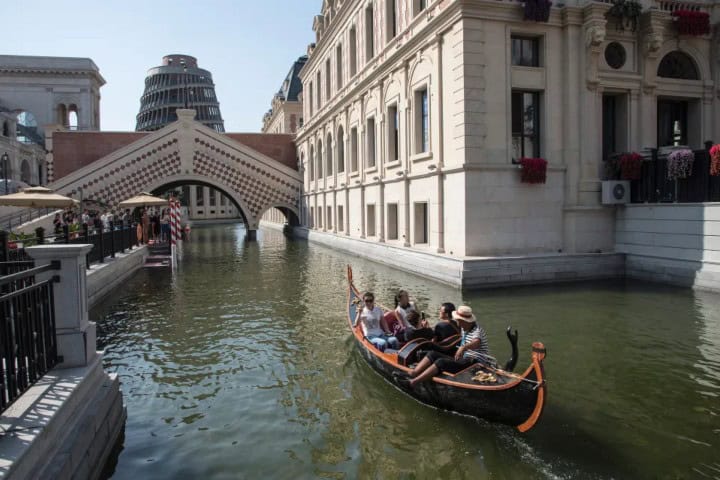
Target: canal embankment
[478,272]
[677,244]
[67,424]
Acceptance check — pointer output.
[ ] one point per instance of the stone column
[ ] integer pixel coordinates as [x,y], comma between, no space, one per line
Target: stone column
[75,333]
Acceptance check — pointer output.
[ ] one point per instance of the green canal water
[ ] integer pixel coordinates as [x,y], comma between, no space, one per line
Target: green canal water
[241,366]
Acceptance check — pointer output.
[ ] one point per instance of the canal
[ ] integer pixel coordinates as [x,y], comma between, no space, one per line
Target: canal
[241,366]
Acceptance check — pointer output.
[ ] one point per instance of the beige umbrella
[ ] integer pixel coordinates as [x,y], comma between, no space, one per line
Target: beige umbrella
[143,200]
[37,197]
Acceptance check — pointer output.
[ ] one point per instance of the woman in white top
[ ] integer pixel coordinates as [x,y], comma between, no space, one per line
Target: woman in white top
[371,321]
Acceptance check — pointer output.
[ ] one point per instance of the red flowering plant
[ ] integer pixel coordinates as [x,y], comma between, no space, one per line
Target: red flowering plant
[631,166]
[533,170]
[691,23]
[715,160]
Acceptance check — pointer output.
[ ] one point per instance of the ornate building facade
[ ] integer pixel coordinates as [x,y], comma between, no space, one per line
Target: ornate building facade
[417,112]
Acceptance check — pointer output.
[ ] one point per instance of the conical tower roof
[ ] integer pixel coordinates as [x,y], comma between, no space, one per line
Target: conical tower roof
[178,83]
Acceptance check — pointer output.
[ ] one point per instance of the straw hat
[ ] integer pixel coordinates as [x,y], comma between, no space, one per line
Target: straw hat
[464,313]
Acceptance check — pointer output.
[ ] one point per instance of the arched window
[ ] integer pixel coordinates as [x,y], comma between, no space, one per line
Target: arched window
[40,173]
[341,150]
[319,159]
[678,65]
[311,163]
[328,156]
[72,117]
[25,171]
[62,115]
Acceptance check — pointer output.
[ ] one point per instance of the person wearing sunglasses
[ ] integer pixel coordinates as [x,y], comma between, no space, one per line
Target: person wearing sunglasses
[370,317]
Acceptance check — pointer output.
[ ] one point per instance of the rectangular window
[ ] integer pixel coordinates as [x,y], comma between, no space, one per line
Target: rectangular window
[525,51]
[370,135]
[419,6]
[199,196]
[340,220]
[318,91]
[525,124]
[319,217]
[369,34]
[353,52]
[392,221]
[391,19]
[421,222]
[329,218]
[370,218]
[339,66]
[354,149]
[213,197]
[310,98]
[422,121]
[327,80]
[393,133]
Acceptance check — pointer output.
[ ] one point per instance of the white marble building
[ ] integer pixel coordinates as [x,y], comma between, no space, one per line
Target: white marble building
[417,111]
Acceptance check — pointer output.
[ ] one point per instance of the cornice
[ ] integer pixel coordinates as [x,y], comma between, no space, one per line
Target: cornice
[54,71]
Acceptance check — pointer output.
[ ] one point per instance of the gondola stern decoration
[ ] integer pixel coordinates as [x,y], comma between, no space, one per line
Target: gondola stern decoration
[482,391]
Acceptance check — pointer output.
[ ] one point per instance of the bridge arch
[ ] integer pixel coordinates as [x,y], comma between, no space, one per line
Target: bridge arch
[175,181]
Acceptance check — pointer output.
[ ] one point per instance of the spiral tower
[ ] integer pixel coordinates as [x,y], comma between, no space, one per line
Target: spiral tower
[178,83]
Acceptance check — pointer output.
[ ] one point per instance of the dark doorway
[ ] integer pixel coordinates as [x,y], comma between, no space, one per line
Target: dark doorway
[672,122]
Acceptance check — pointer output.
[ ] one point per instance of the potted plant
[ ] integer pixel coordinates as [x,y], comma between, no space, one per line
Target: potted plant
[626,12]
[537,10]
[692,23]
[715,160]
[533,170]
[680,163]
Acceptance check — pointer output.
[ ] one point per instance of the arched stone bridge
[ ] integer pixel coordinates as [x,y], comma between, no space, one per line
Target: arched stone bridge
[184,152]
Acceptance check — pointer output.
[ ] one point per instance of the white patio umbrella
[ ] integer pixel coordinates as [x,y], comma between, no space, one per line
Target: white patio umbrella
[37,197]
[144,199]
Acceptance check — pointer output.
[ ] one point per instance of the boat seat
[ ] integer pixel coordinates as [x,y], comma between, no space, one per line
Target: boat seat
[390,350]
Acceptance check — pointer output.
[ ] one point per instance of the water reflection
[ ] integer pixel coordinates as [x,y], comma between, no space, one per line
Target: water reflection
[241,366]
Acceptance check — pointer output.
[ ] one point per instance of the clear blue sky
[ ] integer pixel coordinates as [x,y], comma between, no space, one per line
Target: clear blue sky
[248,46]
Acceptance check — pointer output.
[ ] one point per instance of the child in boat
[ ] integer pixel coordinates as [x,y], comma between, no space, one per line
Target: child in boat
[371,321]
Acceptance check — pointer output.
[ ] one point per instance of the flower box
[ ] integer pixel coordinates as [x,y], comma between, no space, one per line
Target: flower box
[533,170]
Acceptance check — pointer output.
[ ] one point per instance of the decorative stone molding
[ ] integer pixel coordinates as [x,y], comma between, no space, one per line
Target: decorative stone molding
[652,32]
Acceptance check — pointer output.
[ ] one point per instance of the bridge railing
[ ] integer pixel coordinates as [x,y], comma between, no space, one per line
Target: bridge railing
[106,243]
[28,344]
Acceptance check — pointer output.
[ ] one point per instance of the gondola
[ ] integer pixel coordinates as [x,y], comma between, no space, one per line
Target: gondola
[482,390]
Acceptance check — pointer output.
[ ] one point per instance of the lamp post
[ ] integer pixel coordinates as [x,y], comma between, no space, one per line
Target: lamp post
[5,160]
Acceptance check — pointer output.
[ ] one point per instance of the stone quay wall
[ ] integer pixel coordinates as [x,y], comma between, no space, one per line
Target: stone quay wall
[675,243]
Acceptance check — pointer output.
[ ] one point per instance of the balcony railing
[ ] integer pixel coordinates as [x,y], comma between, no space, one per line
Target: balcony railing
[655,187]
[106,243]
[28,346]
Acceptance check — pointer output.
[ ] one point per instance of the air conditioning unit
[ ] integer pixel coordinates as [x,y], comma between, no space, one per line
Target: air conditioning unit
[615,192]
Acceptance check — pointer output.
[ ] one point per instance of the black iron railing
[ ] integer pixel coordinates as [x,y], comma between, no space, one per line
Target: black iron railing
[654,186]
[28,346]
[118,238]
